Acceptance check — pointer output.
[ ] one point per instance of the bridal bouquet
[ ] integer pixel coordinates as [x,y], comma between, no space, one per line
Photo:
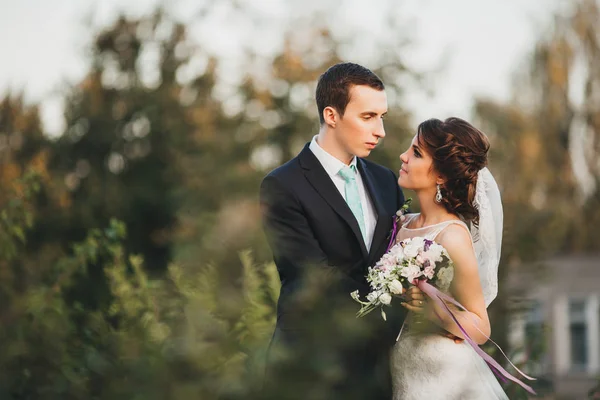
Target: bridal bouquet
[405,264]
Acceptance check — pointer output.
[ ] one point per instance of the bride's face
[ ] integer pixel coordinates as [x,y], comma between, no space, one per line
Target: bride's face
[417,172]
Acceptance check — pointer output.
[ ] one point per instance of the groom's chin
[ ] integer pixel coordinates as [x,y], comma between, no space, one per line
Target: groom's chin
[363,153]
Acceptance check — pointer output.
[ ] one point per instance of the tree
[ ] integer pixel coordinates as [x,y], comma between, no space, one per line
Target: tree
[535,154]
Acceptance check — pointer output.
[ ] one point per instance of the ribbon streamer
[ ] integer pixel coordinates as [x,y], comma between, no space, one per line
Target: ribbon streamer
[439,298]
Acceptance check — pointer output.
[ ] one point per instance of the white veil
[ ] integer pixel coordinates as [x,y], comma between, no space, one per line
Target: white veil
[487,236]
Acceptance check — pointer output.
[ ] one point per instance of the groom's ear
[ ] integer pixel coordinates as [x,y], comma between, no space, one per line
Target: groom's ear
[330,116]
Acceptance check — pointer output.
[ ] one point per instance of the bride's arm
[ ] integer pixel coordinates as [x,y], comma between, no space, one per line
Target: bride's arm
[465,288]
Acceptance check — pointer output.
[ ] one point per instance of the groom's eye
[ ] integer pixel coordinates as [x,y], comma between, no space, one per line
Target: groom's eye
[367,116]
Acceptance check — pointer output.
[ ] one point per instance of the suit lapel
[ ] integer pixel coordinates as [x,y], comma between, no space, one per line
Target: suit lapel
[320,180]
[382,226]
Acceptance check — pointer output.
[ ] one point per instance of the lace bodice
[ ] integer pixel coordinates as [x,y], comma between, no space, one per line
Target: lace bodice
[429,232]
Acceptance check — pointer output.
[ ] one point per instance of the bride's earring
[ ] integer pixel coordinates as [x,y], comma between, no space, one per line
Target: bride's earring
[438,195]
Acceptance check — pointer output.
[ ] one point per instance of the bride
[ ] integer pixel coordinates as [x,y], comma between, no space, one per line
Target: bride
[460,209]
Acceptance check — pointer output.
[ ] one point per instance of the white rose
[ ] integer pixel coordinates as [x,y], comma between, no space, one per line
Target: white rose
[411,249]
[371,297]
[396,287]
[435,253]
[397,253]
[385,298]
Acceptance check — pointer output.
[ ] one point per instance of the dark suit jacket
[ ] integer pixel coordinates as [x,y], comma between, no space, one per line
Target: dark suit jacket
[310,227]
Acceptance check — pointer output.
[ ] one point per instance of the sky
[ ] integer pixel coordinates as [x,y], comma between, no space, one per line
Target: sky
[478,44]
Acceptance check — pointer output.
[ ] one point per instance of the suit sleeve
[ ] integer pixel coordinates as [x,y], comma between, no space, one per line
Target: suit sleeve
[288,232]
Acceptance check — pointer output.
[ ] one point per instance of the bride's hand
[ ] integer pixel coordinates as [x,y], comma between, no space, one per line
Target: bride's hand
[456,339]
[415,300]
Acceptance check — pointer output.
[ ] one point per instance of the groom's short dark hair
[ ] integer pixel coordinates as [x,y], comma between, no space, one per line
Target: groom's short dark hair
[333,88]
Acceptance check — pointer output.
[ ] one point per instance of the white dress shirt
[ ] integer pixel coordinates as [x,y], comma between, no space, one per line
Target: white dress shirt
[332,166]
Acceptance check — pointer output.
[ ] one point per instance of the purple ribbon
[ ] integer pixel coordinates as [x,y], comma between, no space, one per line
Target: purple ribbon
[500,372]
[394,233]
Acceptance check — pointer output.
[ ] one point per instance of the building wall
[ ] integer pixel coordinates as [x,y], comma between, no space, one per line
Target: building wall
[564,297]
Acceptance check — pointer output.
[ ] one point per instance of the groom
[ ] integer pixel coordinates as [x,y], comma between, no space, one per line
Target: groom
[328,214]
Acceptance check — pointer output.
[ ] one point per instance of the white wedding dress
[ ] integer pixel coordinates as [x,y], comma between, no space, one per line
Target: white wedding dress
[427,365]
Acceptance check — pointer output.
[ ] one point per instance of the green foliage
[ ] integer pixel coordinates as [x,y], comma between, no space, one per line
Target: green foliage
[154,339]
[16,217]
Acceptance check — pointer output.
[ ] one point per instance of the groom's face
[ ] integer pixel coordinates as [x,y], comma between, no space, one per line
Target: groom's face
[360,129]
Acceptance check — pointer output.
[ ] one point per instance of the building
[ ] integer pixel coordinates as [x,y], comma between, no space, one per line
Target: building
[555,330]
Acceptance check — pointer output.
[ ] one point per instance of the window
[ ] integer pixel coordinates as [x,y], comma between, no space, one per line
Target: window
[578,330]
[534,338]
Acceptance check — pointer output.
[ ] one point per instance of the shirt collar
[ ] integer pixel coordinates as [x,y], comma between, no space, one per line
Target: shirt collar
[331,164]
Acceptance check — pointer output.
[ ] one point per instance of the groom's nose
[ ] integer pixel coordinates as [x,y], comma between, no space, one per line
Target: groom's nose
[380,130]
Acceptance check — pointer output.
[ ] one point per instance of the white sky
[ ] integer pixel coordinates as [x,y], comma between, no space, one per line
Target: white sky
[42,42]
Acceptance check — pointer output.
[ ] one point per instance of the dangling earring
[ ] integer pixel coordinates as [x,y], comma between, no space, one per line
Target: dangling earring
[438,195]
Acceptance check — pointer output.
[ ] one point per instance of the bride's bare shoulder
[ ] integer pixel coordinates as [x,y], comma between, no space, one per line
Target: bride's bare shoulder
[455,238]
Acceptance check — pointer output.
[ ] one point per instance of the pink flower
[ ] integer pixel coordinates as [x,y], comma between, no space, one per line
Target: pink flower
[429,272]
[411,273]
[386,263]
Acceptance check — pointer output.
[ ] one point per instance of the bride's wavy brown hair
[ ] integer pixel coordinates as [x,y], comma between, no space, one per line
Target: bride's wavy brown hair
[459,151]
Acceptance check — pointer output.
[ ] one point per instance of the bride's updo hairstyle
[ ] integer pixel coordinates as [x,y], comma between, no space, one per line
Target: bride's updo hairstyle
[459,151]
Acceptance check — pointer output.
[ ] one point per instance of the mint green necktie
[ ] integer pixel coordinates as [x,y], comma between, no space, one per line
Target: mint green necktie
[348,174]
